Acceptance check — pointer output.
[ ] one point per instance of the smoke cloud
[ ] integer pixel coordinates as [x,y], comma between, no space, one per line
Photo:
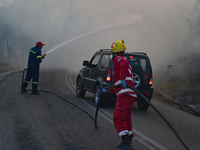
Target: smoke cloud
[166,30]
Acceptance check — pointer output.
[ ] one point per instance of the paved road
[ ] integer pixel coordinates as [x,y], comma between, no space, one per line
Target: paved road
[47,122]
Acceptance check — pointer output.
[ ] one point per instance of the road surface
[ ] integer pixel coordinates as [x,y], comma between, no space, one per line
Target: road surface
[47,122]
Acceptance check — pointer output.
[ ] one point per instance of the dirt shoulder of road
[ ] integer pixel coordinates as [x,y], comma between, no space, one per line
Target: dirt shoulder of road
[185,104]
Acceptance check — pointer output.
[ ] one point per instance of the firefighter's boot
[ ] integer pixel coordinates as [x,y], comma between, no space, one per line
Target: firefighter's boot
[126,145]
[23,90]
[35,92]
[130,140]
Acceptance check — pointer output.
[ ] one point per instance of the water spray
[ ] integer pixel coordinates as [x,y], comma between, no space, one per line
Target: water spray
[87,34]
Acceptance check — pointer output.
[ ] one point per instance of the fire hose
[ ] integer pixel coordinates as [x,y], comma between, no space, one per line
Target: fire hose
[143,97]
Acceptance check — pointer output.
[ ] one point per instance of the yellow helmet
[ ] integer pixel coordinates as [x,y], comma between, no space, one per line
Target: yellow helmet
[118,46]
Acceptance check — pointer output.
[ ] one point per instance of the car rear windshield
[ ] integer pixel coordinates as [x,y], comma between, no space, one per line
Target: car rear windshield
[137,62]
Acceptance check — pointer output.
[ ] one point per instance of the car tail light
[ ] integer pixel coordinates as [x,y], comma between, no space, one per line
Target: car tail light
[108,76]
[151,79]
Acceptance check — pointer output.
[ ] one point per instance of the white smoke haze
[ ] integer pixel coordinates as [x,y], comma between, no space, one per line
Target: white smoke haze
[163,27]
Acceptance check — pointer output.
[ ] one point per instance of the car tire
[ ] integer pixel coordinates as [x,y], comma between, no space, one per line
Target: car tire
[142,104]
[137,78]
[97,94]
[79,89]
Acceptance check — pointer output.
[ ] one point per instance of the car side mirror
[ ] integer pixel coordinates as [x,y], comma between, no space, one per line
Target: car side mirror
[86,63]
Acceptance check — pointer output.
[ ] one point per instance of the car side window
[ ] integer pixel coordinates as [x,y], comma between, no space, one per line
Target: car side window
[95,60]
[104,61]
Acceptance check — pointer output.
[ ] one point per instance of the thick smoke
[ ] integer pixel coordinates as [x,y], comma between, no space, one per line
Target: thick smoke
[166,30]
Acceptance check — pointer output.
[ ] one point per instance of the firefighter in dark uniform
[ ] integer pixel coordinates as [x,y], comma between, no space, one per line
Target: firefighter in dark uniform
[34,60]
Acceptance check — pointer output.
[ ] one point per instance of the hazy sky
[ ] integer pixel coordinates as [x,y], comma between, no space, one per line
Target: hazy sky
[4,3]
[162,26]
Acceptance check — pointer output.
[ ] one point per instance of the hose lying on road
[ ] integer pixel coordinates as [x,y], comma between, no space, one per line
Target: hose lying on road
[143,97]
[57,96]
[9,75]
[23,77]
[67,101]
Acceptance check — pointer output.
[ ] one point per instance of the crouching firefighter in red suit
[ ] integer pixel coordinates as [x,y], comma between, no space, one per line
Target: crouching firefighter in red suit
[122,74]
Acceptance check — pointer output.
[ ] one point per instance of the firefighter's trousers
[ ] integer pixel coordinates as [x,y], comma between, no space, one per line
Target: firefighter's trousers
[32,73]
[122,114]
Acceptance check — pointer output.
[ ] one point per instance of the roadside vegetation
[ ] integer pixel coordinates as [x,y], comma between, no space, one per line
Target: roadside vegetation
[4,67]
[179,83]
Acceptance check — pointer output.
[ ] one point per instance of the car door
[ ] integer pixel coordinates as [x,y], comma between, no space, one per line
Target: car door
[89,80]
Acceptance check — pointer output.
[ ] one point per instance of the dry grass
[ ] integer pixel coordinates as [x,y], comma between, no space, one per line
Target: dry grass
[4,67]
[178,86]
[179,81]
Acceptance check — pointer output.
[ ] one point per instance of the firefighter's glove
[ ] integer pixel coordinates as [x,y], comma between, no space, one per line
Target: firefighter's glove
[124,83]
[43,56]
[104,90]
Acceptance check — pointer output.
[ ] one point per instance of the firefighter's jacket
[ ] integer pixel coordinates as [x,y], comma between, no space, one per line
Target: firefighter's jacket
[35,57]
[122,71]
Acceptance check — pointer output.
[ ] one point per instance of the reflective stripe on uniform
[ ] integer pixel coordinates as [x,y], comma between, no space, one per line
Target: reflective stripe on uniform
[134,95]
[39,56]
[34,83]
[119,82]
[124,90]
[125,132]
[130,132]
[32,52]
[26,81]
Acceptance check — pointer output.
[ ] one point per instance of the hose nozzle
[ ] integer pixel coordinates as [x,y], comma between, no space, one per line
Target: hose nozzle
[43,56]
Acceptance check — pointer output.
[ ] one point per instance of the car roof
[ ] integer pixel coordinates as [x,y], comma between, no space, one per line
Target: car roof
[126,53]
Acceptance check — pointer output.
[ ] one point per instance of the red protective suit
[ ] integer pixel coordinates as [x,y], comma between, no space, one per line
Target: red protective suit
[125,96]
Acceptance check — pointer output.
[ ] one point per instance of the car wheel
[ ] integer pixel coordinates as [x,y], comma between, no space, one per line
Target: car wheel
[142,104]
[79,89]
[137,78]
[97,94]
